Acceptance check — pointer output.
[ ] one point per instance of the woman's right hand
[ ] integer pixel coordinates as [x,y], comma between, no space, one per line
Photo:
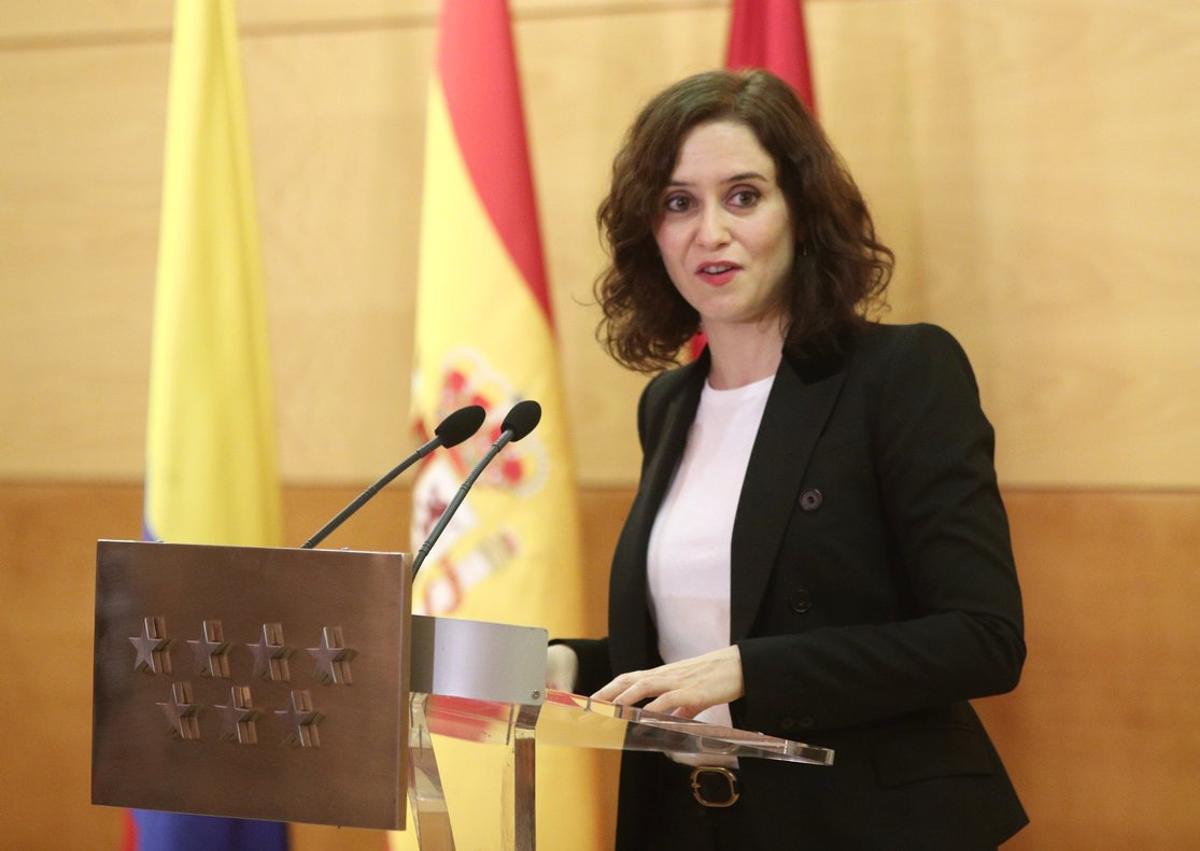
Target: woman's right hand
[562,667]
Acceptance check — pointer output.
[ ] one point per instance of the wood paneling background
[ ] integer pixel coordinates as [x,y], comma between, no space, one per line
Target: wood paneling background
[1102,737]
[1032,162]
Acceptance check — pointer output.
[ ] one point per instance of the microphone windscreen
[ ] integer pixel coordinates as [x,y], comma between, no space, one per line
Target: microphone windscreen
[522,419]
[460,425]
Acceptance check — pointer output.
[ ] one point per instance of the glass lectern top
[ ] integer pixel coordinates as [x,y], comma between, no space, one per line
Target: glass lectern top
[572,720]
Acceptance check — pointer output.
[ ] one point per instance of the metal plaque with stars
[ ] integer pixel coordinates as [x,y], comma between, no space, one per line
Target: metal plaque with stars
[223,682]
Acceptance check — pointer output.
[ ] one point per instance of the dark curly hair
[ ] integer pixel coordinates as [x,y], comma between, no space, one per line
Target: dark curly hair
[840,273]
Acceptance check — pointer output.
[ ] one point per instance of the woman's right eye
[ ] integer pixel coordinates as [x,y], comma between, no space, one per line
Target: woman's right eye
[677,203]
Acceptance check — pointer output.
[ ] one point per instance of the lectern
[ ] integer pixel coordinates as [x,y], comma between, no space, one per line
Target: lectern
[295,685]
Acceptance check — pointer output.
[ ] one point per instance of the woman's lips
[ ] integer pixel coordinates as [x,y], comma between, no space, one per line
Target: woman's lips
[717,274]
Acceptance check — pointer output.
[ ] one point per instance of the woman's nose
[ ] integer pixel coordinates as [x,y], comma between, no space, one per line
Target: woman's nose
[713,227]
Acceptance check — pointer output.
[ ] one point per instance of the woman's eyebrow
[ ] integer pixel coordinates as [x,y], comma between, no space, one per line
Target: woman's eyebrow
[742,175]
[745,175]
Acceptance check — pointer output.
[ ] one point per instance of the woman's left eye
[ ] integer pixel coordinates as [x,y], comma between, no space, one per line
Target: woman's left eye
[744,198]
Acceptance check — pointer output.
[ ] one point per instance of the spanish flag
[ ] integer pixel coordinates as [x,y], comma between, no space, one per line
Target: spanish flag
[210,444]
[484,335]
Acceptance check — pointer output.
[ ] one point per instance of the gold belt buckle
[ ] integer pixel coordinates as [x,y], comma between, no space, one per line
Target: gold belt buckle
[730,778]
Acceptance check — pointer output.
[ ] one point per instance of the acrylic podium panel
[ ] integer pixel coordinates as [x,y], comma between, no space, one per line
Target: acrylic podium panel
[571,720]
[564,720]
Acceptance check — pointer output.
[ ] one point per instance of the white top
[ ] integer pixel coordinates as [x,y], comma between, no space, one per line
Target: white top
[688,560]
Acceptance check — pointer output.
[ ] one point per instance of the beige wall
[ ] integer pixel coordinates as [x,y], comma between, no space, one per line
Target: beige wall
[1033,162]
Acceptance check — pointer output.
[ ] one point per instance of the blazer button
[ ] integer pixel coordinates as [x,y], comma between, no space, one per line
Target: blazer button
[811,499]
[787,723]
[807,722]
[799,601]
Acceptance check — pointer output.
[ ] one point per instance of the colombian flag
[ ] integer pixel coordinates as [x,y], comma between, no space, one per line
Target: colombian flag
[484,335]
[210,446]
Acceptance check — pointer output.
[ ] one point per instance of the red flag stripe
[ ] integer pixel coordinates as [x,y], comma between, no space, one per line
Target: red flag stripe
[129,834]
[478,72]
[770,34]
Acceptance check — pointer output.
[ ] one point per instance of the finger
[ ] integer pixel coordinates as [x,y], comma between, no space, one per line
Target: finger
[562,667]
[663,704]
[638,692]
[688,713]
[673,703]
[615,687]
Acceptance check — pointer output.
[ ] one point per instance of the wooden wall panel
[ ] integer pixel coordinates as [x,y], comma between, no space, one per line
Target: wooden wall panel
[1030,161]
[340,208]
[81,136]
[1100,738]
[51,23]
[47,591]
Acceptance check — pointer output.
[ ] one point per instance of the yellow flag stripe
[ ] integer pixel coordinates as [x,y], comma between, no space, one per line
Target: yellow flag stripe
[210,459]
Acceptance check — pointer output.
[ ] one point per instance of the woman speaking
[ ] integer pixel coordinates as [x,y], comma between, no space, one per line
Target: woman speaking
[817,549]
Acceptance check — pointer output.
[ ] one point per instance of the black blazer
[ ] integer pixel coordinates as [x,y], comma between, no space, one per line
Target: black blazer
[873,593]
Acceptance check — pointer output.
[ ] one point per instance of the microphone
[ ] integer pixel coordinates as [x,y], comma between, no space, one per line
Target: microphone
[522,419]
[449,432]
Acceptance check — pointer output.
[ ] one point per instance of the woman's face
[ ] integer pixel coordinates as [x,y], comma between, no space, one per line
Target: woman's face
[725,232]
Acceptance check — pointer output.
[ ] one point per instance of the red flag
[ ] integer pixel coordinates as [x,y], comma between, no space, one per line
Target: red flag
[770,34]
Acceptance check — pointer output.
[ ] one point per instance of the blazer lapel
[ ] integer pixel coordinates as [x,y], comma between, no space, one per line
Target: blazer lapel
[801,400]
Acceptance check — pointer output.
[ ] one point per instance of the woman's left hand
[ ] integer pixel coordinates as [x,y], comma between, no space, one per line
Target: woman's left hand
[683,688]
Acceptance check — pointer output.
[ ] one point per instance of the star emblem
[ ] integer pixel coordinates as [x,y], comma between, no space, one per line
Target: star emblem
[212,651]
[182,714]
[271,654]
[333,657]
[301,720]
[238,717]
[153,647]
